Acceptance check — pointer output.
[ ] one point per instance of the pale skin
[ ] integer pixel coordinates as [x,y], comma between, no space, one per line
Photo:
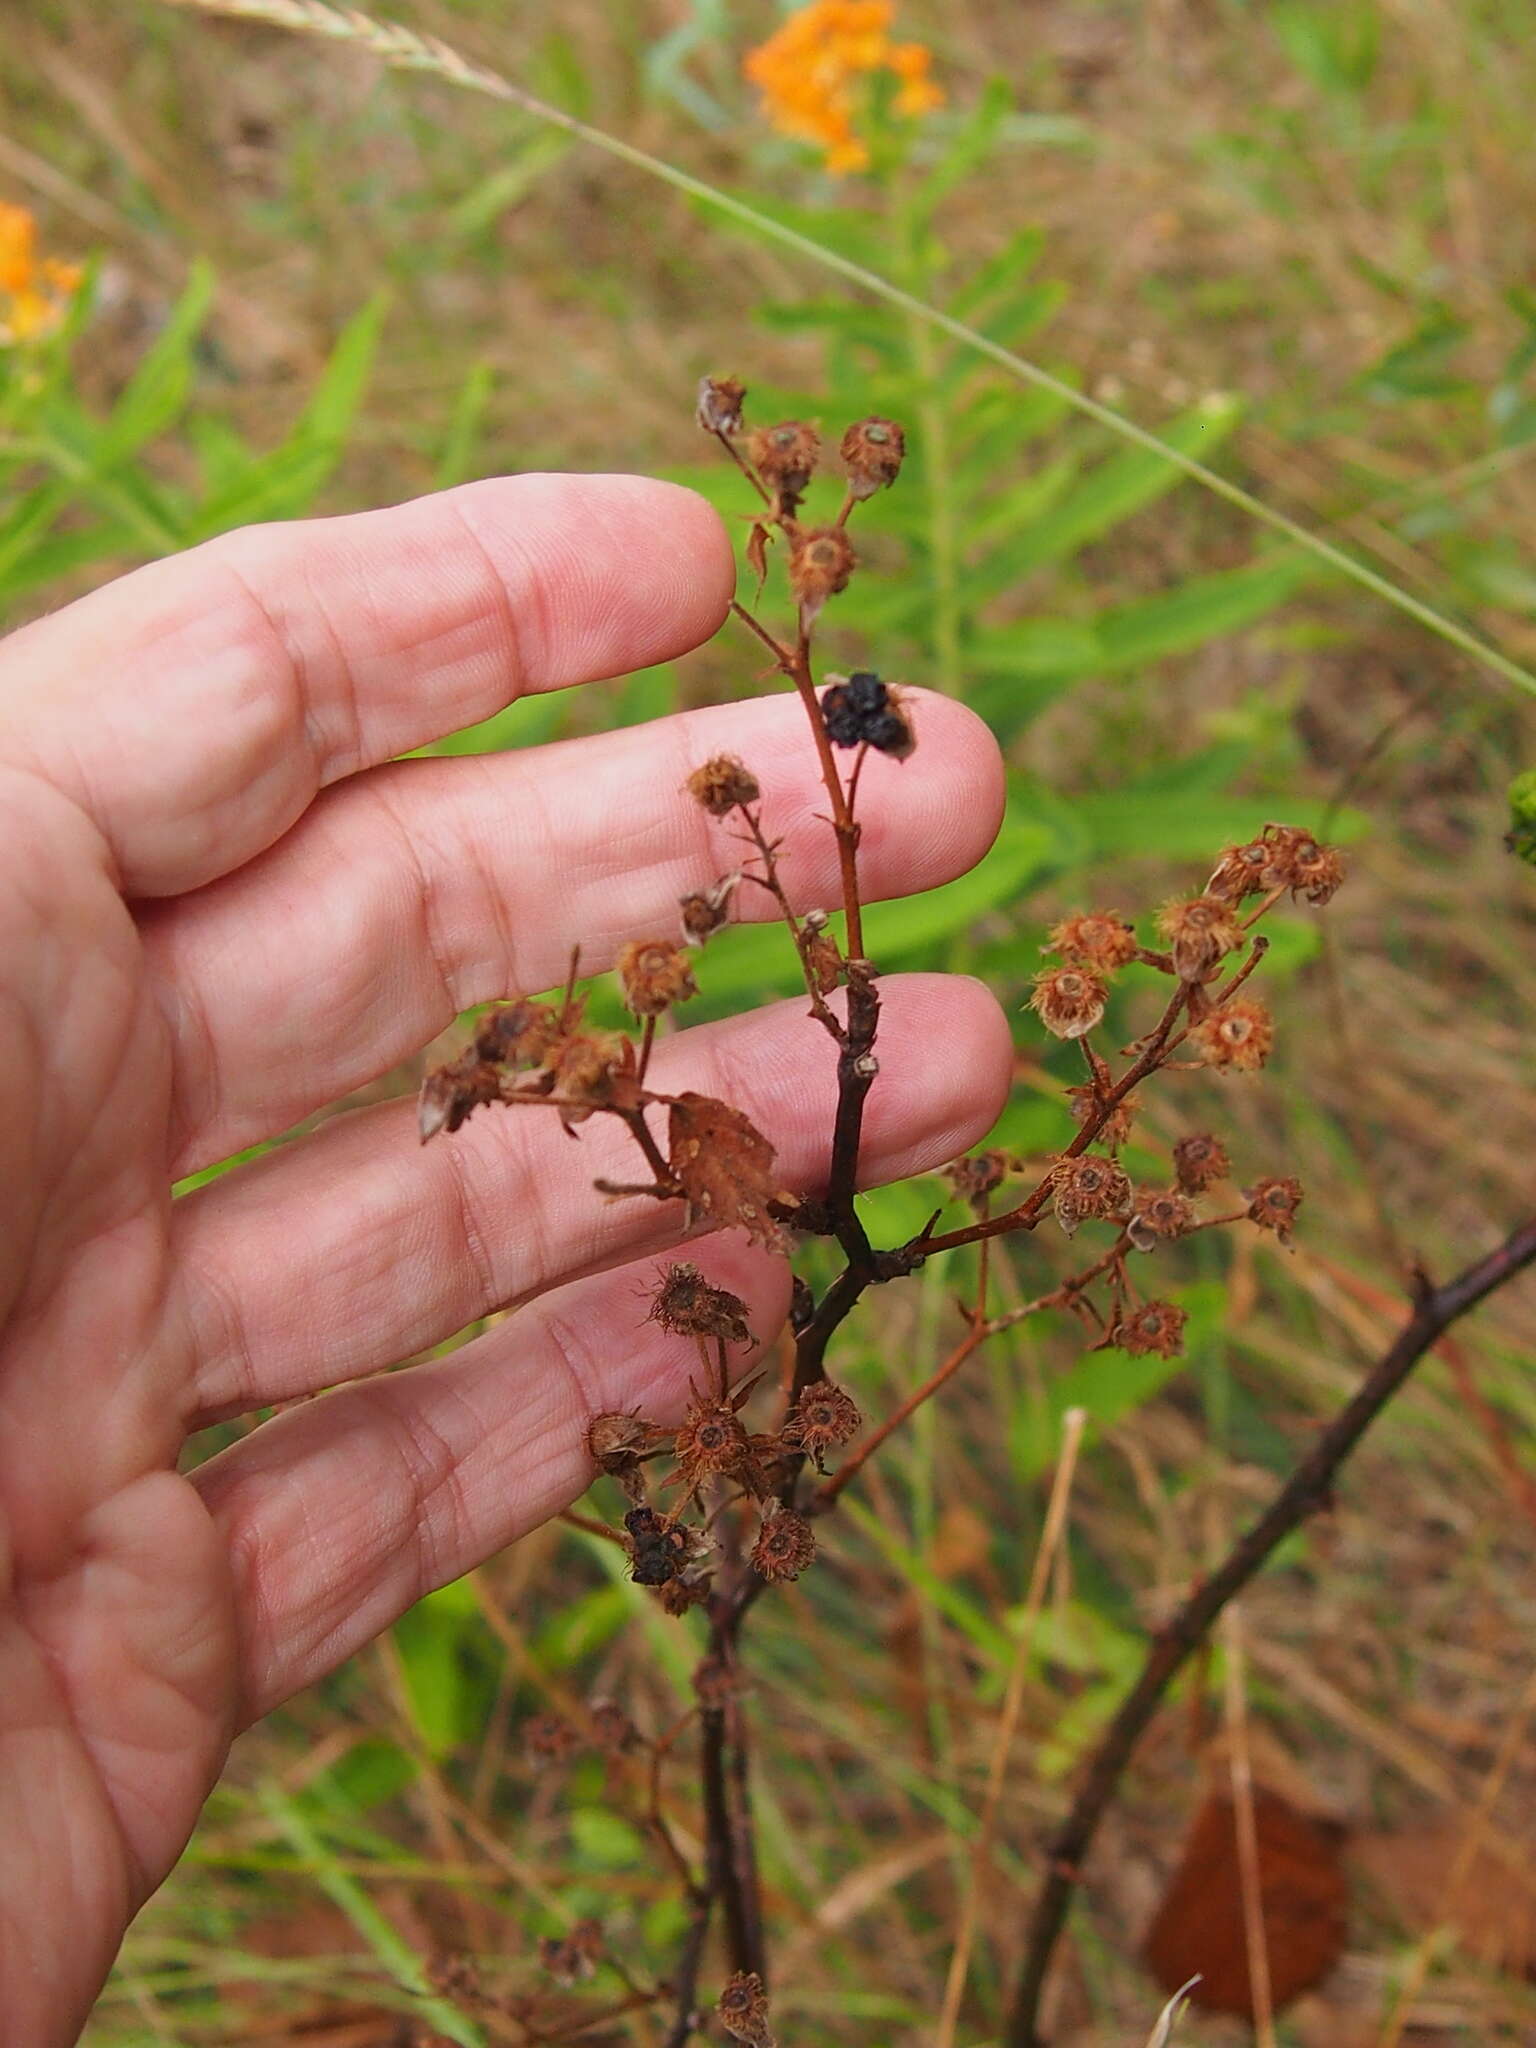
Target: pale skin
[225,906]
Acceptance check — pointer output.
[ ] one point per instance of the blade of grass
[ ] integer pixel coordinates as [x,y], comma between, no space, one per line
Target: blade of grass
[403,49]
[393,1952]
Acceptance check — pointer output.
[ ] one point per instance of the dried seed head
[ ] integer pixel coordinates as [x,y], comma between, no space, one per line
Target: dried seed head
[1159,1213]
[1200,934]
[978,1175]
[785,457]
[588,1068]
[708,911]
[1305,867]
[517,1034]
[657,1550]
[1087,1186]
[785,1545]
[686,1304]
[613,1732]
[863,711]
[1155,1326]
[1069,1001]
[1084,1101]
[720,403]
[550,1739]
[821,561]
[872,452]
[1272,1204]
[721,784]
[450,1094]
[573,1957]
[712,1439]
[1239,1034]
[743,2010]
[1100,939]
[690,1589]
[615,1441]
[822,1418]
[1240,872]
[654,975]
[1198,1160]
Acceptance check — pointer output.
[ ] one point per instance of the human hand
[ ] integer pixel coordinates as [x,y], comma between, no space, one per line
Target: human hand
[225,907]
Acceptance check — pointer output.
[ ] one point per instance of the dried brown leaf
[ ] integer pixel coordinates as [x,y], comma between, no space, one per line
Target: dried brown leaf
[724,1165]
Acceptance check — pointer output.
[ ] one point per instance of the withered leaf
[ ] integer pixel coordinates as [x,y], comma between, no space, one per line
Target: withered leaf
[1198,1928]
[757,553]
[724,1165]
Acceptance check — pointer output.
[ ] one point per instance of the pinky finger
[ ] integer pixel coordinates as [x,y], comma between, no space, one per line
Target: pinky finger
[342,1513]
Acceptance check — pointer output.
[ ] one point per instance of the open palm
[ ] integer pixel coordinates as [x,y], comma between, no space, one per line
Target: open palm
[226,906]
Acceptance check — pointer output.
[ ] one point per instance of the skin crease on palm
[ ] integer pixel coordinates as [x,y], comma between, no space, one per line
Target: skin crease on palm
[226,905]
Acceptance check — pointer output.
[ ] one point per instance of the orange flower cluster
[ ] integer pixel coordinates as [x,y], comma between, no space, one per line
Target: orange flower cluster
[34,291]
[808,71]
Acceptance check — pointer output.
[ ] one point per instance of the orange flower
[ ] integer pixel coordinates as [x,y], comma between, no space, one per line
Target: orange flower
[807,74]
[34,292]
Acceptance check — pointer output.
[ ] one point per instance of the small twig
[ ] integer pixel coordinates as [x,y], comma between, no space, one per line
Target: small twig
[1308,1487]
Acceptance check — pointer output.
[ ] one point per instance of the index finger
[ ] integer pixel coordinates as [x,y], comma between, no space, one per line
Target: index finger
[195,707]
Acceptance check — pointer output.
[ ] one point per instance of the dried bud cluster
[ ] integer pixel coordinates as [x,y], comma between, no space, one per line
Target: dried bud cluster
[1100,939]
[785,1545]
[1272,1204]
[1157,1326]
[866,712]
[687,1304]
[1283,857]
[822,1418]
[1159,1213]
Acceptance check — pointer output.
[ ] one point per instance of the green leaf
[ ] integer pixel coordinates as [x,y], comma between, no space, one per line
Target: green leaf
[457,459]
[159,388]
[968,149]
[1200,610]
[1123,484]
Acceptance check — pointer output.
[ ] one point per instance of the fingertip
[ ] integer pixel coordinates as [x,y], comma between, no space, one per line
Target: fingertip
[974,761]
[946,1057]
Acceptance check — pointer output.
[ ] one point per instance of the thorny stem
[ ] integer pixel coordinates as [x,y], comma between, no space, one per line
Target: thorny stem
[1308,1488]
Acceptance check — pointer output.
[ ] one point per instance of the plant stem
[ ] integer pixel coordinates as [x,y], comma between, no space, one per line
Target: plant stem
[1307,1489]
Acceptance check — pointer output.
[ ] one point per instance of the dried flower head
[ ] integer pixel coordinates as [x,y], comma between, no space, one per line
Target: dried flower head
[1159,1213]
[1200,934]
[654,974]
[720,403]
[785,1545]
[822,1418]
[658,1551]
[1085,1102]
[866,712]
[1157,1326]
[1100,939]
[872,452]
[572,1958]
[785,457]
[589,1070]
[691,1588]
[450,1094]
[1238,1034]
[550,1739]
[743,2010]
[1069,1001]
[977,1176]
[708,911]
[518,1034]
[821,562]
[712,1439]
[1272,1204]
[1240,871]
[613,1732]
[1303,865]
[721,783]
[615,1441]
[685,1303]
[1198,1160]
[1085,1185]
